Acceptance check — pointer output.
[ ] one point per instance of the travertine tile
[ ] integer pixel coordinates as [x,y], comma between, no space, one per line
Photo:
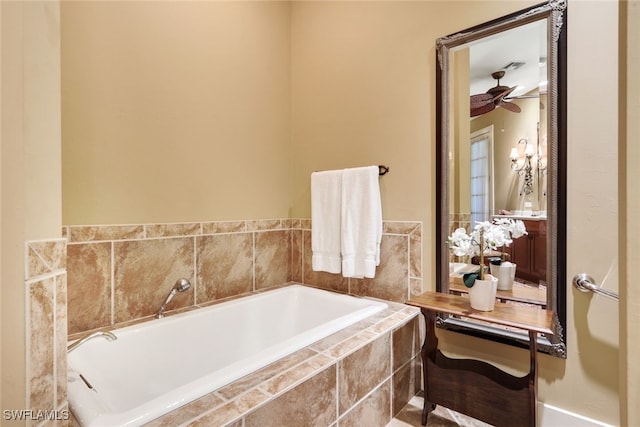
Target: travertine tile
[406,343]
[90,233]
[296,256]
[392,275]
[311,403]
[390,283]
[406,383]
[320,361]
[264,224]
[224,227]
[285,223]
[45,257]
[34,265]
[320,278]
[256,378]
[373,411]
[375,360]
[392,309]
[272,258]
[172,230]
[275,242]
[231,411]
[400,227]
[415,254]
[88,286]
[224,265]
[340,336]
[188,412]
[287,379]
[146,270]
[348,346]
[305,224]
[61,339]
[408,311]
[416,286]
[390,322]
[41,344]
[398,276]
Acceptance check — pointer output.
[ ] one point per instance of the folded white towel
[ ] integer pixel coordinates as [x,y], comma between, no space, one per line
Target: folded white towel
[361,222]
[326,190]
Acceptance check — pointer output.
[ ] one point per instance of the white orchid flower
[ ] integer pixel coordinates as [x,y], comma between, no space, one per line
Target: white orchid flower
[496,234]
[517,229]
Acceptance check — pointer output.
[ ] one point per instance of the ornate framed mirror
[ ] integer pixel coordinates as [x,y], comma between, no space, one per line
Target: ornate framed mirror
[501,144]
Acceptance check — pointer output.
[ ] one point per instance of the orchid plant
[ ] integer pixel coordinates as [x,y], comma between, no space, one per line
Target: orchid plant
[486,236]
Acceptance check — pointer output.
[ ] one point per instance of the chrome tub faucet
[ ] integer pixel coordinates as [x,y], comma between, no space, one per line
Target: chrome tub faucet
[109,336]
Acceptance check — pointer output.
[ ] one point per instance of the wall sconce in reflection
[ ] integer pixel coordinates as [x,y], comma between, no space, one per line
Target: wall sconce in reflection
[523,166]
[541,164]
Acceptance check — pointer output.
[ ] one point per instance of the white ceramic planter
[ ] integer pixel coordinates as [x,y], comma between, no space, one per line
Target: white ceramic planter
[506,274]
[482,295]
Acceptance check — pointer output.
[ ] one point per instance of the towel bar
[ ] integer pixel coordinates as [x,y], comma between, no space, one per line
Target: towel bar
[585,283]
[382,170]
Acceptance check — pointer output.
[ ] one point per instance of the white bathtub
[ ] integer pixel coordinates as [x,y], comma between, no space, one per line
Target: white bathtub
[160,365]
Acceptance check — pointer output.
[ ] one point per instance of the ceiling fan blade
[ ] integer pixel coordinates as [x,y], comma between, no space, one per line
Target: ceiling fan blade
[509,98]
[480,100]
[503,94]
[483,109]
[510,106]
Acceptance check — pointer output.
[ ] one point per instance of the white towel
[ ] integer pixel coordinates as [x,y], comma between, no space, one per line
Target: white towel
[326,190]
[361,222]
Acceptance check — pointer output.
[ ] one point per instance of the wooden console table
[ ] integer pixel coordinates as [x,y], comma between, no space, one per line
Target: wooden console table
[474,387]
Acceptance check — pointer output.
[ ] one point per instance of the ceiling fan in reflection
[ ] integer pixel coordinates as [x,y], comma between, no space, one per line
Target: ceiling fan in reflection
[494,97]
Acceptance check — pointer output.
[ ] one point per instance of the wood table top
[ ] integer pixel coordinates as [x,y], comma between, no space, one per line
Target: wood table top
[519,293]
[517,316]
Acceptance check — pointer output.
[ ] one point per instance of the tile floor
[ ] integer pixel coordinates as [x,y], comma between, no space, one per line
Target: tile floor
[411,415]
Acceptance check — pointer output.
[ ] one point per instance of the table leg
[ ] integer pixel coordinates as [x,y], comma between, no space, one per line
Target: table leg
[430,346]
[533,376]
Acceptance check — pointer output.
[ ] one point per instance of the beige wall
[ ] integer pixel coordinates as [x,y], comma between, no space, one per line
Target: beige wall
[364,94]
[30,156]
[592,203]
[175,111]
[460,131]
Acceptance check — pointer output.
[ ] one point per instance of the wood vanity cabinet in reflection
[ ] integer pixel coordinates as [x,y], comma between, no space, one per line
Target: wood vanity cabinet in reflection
[530,252]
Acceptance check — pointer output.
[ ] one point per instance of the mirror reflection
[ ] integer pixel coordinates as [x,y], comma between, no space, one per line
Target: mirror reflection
[498,161]
[500,135]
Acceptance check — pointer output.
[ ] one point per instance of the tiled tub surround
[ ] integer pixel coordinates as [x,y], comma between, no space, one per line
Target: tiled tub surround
[188,355]
[46,296]
[361,375]
[119,273]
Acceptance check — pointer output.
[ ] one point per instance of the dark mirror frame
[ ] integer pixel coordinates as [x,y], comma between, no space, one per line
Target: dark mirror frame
[555,11]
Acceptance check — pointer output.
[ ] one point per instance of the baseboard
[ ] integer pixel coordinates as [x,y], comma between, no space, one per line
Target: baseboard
[550,416]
